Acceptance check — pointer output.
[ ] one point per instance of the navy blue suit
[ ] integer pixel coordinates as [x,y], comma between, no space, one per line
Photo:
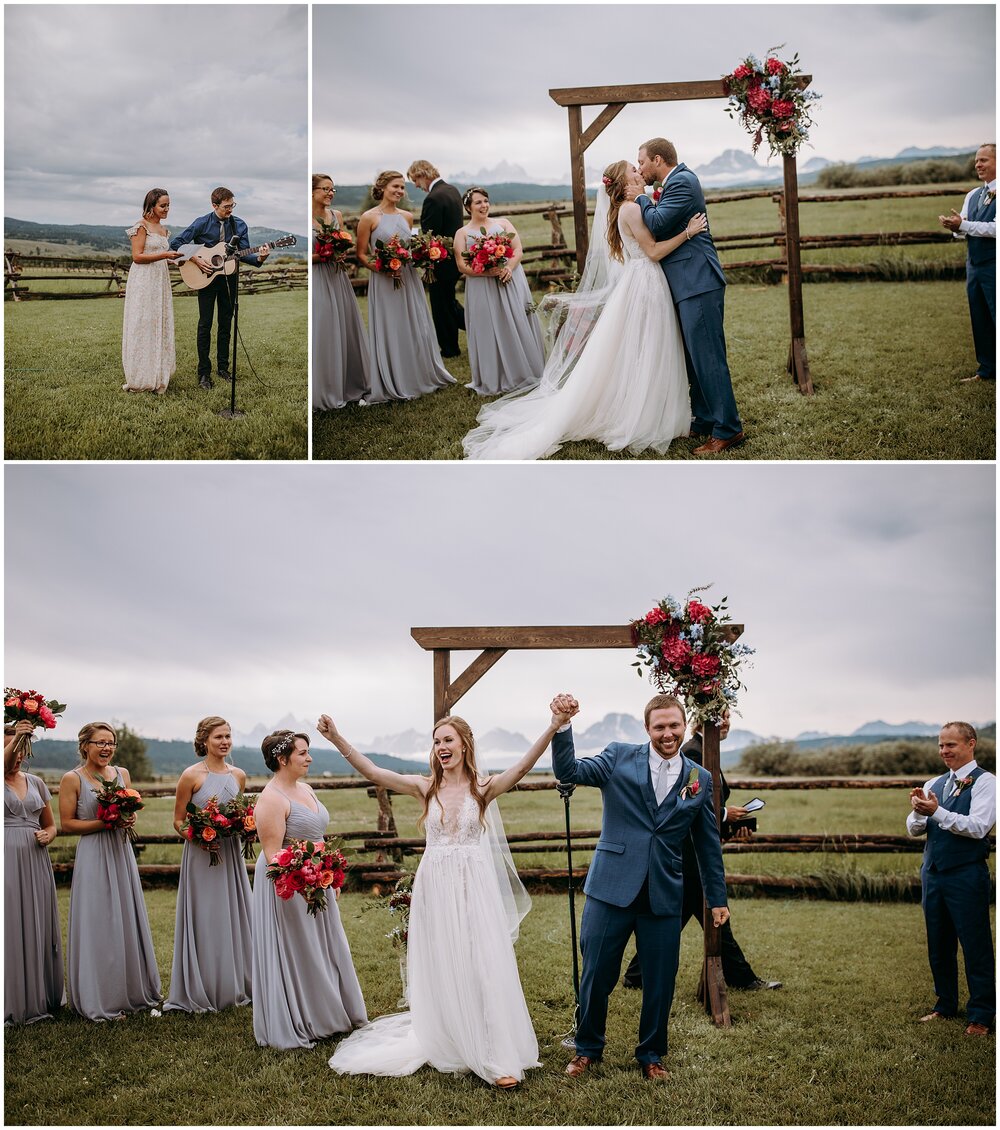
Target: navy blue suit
[635,883]
[698,286]
[981,285]
[956,890]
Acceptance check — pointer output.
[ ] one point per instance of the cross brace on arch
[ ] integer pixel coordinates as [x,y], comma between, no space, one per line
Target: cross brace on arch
[615,99]
[492,644]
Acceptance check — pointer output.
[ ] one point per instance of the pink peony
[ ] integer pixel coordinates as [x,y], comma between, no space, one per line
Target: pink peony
[283,888]
[47,717]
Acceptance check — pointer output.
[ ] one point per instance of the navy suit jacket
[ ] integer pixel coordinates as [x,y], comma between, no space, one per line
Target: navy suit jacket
[205,230]
[694,268]
[639,839]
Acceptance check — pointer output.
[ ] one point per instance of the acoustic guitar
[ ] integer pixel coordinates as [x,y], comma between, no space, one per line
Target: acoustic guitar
[221,257]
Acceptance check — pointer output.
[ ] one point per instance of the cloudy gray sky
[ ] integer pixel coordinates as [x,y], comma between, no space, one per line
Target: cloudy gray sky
[891,76]
[103,102]
[160,594]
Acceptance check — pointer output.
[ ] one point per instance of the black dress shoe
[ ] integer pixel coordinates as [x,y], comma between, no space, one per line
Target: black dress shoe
[632,982]
[224,375]
[205,382]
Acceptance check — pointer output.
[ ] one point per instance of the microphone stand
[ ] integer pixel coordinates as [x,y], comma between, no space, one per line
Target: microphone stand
[231,413]
[565,790]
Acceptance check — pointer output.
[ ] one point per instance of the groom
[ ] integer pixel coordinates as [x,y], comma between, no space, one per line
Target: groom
[654,798]
[698,286]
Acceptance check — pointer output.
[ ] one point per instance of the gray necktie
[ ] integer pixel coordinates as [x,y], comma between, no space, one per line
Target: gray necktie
[662,786]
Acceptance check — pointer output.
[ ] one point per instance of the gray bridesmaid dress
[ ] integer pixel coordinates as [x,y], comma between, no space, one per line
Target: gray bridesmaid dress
[340,364]
[505,341]
[111,965]
[304,984]
[213,955]
[406,361]
[33,964]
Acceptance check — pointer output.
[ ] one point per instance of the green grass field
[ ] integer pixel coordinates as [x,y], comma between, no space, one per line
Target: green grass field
[885,357]
[63,395]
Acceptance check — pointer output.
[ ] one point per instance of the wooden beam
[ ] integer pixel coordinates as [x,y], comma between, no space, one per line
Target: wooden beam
[473,673]
[564,637]
[639,92]
[600,123]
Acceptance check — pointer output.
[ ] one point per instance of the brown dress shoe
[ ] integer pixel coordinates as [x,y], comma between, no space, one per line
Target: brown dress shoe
[714,446]
[975,1029]
[933,1016]
[580,1064]
[655,1071]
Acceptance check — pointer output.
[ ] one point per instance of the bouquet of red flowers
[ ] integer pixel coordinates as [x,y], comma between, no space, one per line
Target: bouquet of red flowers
[308,869]
[206,827]
[770,99]
[333,245]
[239,811]
[117,806]
[389,257]
[29,706]
[428,251]
[485,252]
[690,652]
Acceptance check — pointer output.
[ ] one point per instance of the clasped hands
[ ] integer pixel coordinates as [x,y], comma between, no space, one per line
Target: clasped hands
[563,707]
[953,222]
[923,804]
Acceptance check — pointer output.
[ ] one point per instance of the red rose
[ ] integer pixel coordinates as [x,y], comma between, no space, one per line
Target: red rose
[324,250]
[283,857]
[657,616]
[296,881]
[282,888]
[699,612]
[775,67]
[742,71]
[13,703]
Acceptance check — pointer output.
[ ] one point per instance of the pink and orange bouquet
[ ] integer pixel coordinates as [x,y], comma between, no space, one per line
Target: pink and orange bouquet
[388,259]
[240,812]
[486,252]
[308,869]
[117,806]
[428,252]
[206,827]
[29,706]
[333,245]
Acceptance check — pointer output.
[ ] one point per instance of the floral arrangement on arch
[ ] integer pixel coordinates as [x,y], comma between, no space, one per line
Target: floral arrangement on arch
[687,652]
[770,102]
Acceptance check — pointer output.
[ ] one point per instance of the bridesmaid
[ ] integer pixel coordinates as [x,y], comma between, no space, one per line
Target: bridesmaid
[212,950]
[340,364]
[405,359]
[304,984]
[33,964]
[111,966]
[505,340]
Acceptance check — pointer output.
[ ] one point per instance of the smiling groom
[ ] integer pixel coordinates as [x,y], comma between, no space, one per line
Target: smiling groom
[654,798]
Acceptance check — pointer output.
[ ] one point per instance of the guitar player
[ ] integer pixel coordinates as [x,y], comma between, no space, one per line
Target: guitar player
[217,226]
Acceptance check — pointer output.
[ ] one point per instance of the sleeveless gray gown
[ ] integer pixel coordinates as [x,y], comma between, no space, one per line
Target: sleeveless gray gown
[304,984]
[111,965]
[505,341]
[212,950]
[340,362]
[406,361]
[32,953]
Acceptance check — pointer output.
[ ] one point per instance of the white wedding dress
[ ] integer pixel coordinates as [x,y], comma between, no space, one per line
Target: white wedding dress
[467,1009]
[148,321]
[627,387]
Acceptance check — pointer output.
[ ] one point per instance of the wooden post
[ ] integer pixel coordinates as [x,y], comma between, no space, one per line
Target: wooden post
[798,362]
[577,148]
[712,987]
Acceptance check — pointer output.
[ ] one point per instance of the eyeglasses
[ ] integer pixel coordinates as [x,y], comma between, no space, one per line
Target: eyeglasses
[103,745]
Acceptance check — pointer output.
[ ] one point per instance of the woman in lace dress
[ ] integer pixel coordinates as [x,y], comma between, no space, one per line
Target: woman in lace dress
[304,984]
[505,339]
[617,372]
[405,359]
[212,950]
[467,1008]
[148,327]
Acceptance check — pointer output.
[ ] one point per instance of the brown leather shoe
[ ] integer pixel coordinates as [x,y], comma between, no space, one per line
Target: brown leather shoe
[714,446]
[975,1029]
[933,1016]
[580,1064]
[655,1071]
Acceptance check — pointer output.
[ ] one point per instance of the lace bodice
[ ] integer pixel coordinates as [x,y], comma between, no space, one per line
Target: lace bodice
[466,831]
[630,244]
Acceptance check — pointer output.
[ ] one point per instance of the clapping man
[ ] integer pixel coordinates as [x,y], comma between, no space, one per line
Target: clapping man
[956,812]
[977,225]
[441,214]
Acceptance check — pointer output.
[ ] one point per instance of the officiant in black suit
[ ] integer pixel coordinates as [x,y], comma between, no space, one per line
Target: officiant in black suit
[735,968]
[441,214]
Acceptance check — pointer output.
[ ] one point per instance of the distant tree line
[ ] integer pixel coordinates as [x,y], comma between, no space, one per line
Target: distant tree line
[934,170]
[905,757]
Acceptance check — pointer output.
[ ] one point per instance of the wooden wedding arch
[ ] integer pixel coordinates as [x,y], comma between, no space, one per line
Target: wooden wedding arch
[615,99]
[492,644]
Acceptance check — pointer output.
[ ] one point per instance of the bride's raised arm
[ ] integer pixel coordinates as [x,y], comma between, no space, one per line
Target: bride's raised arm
[410,784]
[503,782]
[659,250]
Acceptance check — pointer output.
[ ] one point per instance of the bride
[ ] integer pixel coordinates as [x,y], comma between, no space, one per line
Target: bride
[467,1009]
[616,370]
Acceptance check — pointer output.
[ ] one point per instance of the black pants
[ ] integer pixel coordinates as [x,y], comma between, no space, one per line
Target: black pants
[217,293]
[448,315]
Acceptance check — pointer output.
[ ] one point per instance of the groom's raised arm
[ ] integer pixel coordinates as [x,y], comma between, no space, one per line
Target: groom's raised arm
[676,206]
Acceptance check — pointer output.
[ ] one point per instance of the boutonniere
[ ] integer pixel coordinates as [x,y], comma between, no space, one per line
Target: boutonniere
[693,786]
[962,783]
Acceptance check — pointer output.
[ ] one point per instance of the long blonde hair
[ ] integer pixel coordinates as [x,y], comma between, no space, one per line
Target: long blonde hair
[615,182]
[464,731]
